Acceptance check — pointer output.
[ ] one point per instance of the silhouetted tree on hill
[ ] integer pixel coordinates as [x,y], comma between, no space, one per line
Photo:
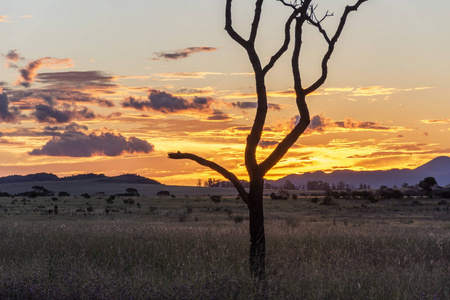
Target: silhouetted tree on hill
[303,14]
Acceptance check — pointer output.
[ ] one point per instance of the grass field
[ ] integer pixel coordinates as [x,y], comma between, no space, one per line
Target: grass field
[192,248]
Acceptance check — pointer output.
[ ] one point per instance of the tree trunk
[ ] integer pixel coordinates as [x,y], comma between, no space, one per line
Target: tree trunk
[257,234]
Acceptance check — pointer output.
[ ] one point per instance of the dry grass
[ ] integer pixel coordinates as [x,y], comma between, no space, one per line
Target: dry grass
[385,251]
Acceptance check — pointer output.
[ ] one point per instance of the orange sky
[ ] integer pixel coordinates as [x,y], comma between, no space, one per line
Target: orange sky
[116,90]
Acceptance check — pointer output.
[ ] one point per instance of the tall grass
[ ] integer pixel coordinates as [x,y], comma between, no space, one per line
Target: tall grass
[134,259]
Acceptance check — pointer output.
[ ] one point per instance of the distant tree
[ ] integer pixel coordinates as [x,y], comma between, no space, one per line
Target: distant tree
[199,182]
[132,192]
[427,185]
[303,13]
[288,185]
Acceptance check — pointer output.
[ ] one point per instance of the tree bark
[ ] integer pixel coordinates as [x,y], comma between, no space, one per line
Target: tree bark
[257,257]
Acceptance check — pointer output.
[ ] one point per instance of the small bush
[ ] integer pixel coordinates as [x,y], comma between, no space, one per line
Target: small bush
[85,195]
[315,200]
[216,198]
[238,219]
[182,217]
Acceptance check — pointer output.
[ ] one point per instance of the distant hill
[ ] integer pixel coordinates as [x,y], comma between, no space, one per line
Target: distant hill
[126,178]
[439,168]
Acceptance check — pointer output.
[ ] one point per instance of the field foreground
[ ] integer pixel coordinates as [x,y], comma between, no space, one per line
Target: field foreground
[192,248]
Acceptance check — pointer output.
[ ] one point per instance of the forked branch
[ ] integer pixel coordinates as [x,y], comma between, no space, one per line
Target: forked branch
[331,43]
[216,167]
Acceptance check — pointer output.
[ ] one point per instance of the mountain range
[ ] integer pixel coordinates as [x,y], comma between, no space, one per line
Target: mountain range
[439,168]
[125,178]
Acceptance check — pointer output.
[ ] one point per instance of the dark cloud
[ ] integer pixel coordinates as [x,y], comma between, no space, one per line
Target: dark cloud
[219,116]
[248,105]
[78,144]
[267,144]
[168,103]
[319,123]
[105,102]
[52,96]
[349,123]
[12,57]
[183,53]
[7,114]
[79,80]
[74,76]
[28,73]
[47,114]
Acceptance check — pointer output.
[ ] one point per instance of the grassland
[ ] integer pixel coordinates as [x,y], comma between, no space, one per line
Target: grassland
[192,248]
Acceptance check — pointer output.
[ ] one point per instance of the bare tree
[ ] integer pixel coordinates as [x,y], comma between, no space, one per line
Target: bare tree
[303,13]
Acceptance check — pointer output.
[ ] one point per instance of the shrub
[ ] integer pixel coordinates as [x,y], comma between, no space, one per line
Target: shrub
[216,198]
[315,200]
[110,200]
[85,195]
[328,201]
[238,219]
[128,201]
[163,194]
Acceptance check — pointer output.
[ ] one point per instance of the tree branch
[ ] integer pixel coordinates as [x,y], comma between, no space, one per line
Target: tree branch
[287,39]
[255,22]
[331,44]
[229,27]
[293,136]
[214,166]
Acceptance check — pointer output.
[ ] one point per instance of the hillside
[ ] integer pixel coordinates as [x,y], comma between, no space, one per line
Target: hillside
[439,168]
[39,177]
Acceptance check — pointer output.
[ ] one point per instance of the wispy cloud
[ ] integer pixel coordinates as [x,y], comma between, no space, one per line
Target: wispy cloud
[382,91]
[436,121]
[250,105]
[322,124]
[182,75]
[182,53]
[4,19]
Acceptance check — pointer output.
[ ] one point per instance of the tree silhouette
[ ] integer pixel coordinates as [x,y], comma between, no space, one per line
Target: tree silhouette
[427,185]
[303,14]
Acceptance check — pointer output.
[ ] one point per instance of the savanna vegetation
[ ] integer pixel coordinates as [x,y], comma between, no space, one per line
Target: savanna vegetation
[135,247]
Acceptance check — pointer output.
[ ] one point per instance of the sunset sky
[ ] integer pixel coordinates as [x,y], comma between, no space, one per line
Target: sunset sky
[111,87]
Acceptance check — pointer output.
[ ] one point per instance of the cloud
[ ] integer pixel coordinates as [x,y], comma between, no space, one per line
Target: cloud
[350,123]
[323,124]
[6,114]
[183,53]
[319,123]
[182,75]
[12,57]
[249,105]
[75,76]
[436,121]
[168,103]
[47,114]
[219,116]
[74,143]
[267,144]
[28,73]
[4,19]
[371,91]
